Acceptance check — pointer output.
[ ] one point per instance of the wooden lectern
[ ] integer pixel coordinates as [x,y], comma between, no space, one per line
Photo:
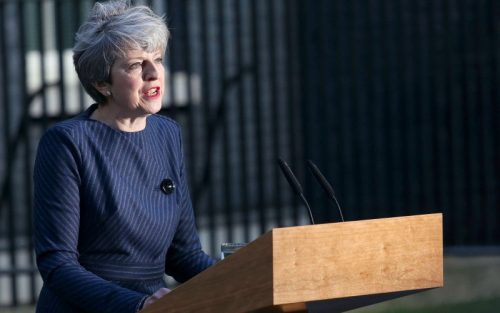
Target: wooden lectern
[319,268]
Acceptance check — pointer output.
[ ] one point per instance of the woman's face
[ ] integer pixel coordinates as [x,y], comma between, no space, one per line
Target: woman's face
[137,82]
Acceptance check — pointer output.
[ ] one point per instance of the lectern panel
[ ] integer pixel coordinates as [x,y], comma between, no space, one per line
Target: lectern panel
[319,268]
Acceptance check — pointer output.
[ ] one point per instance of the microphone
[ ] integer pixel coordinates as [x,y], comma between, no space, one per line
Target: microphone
[294,183]
[327,188]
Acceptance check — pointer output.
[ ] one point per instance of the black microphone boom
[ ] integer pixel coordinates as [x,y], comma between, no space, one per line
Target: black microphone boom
[327,188]
[297,188]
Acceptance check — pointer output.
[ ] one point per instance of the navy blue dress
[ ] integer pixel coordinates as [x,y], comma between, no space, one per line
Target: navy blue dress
[105,233]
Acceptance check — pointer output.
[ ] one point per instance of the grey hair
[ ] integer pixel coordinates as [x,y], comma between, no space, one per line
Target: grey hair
[112,29]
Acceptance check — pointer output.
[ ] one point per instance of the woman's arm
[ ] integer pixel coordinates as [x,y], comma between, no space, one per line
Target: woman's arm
[56,224]
[185,257]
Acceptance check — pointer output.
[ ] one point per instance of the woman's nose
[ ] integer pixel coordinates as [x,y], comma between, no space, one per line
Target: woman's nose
[151,71]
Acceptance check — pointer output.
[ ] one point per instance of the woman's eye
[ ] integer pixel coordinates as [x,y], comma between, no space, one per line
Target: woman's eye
[159,60]
[135,65]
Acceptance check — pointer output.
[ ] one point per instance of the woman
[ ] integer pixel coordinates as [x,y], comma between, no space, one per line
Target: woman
[112,207]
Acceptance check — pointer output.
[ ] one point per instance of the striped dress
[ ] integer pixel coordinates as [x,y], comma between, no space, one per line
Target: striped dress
[105,232]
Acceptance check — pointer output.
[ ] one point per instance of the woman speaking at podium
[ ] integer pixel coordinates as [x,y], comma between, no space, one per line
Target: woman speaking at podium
[112,211]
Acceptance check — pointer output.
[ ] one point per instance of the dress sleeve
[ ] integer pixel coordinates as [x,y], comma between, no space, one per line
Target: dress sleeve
[56,230]
[185,257]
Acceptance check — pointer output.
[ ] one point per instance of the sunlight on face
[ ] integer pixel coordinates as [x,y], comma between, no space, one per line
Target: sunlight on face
[137,83]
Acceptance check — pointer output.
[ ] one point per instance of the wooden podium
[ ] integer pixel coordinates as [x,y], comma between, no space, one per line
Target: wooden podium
[319,268]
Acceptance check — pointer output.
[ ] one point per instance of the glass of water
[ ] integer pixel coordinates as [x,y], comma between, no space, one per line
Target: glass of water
[228,248]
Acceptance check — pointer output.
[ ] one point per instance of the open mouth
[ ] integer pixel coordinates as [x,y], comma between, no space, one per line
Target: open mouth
[153,92]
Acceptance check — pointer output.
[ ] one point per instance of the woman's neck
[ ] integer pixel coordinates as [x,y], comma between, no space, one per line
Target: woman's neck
[105,115]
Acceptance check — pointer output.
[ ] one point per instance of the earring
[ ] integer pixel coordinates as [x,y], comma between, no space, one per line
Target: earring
[108,93]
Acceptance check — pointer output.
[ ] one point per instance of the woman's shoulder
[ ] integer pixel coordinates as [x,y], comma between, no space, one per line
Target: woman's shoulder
[164,123]
[165,120]
[70,130]
[60,141]
[69,127]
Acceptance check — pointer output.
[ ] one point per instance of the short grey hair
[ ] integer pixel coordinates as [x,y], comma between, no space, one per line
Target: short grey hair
[112,29]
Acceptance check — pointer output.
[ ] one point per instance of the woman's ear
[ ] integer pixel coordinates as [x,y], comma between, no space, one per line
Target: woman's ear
[104,88]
